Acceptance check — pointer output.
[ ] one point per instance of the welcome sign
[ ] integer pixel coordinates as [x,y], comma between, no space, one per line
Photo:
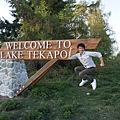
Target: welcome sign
[44,50]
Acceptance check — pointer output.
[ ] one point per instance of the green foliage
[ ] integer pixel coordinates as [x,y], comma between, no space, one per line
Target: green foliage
[33,115]
[41,113]
[95,23]
[4,117]
[106,96]
[59,72]
[67,110]
[9,31]
[31,70]
[51,18]
[115,89]
[9,105]
[48,90]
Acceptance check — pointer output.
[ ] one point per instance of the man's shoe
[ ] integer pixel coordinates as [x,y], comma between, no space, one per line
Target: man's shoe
[94,85]
[83,82]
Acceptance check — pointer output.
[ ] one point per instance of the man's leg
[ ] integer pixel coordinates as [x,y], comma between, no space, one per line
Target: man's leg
[78,69]
[85,74]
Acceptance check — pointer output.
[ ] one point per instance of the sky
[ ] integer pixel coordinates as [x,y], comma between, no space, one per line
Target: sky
[112,6]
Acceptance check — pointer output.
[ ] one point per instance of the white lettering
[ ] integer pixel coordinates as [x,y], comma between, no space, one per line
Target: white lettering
[8,55]
[29,54]
[15,45]
[25,45]
[20,54]
[35,54]
[14,55]
[9,45]
[33,45]
[56,53]
[48,44]
[59,43]
[66,43]
[20,46]
[50,54]
[42,45]
[63,54]
[41,54]
[1,55]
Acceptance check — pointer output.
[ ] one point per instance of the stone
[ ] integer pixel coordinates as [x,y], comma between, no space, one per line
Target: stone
[13,74]
[11,94]
[0,82]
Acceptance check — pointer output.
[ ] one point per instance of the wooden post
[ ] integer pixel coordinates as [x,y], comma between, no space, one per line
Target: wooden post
[37,76]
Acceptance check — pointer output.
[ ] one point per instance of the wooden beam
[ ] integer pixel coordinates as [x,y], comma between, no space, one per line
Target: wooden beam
[37,76]
[41,76]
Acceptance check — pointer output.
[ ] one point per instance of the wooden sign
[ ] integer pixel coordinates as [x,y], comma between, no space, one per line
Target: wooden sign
[44,50]
[52,50]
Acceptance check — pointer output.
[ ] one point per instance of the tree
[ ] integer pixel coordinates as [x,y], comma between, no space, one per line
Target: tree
[44,19]
[95,22]
[8,31]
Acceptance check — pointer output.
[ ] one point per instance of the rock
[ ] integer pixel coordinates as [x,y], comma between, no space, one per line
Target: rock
[10,76]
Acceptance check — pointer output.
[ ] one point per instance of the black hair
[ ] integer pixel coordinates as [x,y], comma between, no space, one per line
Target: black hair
[81,45]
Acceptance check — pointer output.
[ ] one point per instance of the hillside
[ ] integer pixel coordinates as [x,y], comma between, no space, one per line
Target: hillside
[58,97]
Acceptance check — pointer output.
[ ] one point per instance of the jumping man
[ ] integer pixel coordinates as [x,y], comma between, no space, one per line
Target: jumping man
[88,67]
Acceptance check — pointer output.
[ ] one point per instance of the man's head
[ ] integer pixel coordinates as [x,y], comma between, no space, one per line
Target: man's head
[81,47]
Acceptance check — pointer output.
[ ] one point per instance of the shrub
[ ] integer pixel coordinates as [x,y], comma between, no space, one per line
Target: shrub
[48,89]
[10,105]
[4,117]
[38,114]
[107,102]
[38,92]
[60,102]
[106,96]
[115,89]
[33,115]
[67,110]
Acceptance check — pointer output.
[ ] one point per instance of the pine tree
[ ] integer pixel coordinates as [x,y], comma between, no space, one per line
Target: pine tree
[44,19]
[8,31]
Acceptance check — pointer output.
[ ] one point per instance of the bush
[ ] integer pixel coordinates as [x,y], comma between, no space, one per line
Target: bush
[10,105]
[107,102]
[67,110]
[38,92]
[48,89]
[4,117]
[115,89]
[37,114]
[106,96]
[33,115]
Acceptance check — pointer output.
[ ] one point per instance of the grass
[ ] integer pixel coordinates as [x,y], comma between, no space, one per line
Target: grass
[58,97]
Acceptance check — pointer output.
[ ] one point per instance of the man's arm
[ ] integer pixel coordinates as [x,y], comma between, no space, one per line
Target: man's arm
[70,54]
[102,62]
[99,55]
